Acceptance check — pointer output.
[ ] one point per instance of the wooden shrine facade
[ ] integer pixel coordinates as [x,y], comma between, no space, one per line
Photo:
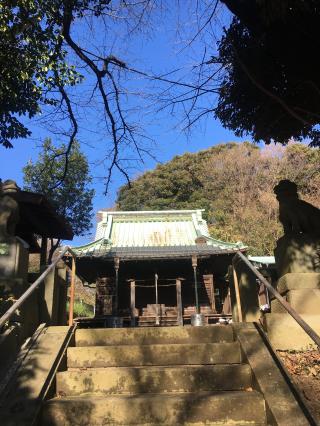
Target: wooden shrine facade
[157,267]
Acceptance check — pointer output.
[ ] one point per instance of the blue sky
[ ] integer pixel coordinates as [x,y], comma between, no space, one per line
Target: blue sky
[156,52]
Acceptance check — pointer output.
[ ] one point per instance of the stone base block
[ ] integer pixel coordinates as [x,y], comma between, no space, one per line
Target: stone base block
[297,253]
[14,258]
[305,301]
[286,334]
[298,281]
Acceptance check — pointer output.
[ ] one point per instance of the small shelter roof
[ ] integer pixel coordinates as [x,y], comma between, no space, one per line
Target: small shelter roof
[154,234]
[38,216]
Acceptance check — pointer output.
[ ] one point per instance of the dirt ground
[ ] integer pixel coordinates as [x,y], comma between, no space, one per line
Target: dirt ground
[304,368]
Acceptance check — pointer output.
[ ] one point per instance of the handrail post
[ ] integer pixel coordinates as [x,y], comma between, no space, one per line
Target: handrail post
[72,290]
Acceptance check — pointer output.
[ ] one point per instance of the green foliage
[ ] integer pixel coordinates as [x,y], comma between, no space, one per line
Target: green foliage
[177,184]
[81,309]
[270,88]
[32,62]
[73,198]
[234,183]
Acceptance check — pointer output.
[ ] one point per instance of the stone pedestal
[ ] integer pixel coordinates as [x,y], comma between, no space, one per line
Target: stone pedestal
[14,258]
[285,333]
[297,253]
[302,291]
[248,293]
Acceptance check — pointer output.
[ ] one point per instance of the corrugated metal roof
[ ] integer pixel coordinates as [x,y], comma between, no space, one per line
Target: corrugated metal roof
[152,234]
[149,232]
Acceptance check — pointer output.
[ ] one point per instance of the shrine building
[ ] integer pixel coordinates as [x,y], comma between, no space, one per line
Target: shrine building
[157,267]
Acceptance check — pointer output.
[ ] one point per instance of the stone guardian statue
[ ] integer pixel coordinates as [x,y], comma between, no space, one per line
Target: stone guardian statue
[298,250]
[9,210]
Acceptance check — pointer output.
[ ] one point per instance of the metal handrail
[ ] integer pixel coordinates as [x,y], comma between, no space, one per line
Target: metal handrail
[33,287]
[306,327]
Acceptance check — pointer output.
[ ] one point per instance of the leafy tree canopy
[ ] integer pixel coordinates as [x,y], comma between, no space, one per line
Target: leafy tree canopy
[47,46]
[73,197]
[271,84]
[263,82]
[234,183]
[32,61]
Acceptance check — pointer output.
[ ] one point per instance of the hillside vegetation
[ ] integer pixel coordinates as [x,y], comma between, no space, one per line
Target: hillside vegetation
[234,184]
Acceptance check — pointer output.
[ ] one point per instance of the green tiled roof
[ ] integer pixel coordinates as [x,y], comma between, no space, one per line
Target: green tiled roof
[153,234]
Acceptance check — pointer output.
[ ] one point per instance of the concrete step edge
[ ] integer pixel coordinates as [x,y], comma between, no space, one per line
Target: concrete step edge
[131,380]
[135,355]
[201,408]
[154,335]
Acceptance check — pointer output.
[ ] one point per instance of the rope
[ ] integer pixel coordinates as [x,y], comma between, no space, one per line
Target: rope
[153,285]
[159,279]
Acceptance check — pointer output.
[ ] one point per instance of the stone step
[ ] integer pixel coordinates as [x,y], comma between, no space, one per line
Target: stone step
[154,380]
[223,408]
[165,355]
[153,335]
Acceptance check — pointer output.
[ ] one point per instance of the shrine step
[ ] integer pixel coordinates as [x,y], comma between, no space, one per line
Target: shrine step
[224,408]
[104,381]
[153,335]
[168,354]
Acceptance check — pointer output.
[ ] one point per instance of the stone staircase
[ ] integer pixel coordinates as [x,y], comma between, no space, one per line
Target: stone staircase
[155,376]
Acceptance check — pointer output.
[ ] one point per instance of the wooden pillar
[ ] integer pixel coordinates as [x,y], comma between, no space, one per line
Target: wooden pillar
[63,293]
[133,302]
[237,292]
[227,306]
[194,265]
[209,285]
[116,296]
[43,252]
[157,302]
[72,291]
[179,302]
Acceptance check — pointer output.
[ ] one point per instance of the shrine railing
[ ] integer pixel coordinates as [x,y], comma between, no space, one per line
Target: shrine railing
[306,327]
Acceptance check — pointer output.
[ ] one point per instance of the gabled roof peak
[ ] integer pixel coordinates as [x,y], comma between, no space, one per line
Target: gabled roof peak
[148,231]
[149,212]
